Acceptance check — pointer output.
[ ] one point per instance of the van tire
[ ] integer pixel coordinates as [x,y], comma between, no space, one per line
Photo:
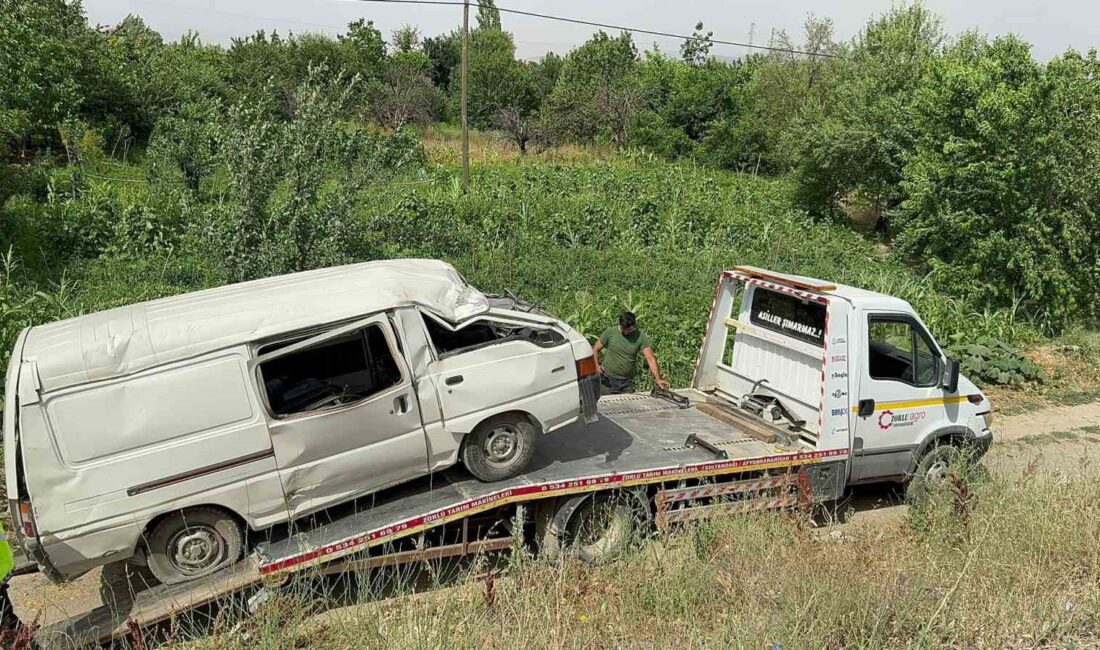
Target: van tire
[499,448]
[193,543]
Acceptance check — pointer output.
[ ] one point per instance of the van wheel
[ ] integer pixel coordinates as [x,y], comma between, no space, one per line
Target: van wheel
[931,471]
[500,447]
[193,543]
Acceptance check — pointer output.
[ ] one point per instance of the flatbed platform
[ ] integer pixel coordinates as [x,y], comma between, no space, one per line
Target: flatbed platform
[638,440]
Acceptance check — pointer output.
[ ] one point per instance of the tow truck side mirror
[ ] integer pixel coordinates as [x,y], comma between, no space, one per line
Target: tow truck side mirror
[950,379]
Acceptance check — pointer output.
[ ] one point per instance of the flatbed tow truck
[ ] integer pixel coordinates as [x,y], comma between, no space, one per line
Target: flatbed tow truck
[767,424]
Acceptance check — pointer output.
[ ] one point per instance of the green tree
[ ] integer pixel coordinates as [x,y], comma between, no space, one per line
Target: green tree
[782,87]
[599,90]
[293,185]
[406,94]
[366,51]
[445,53]
[1002,191]
[259,70]
[851,152]
[488,16]
[496,80]
[406,39]
[696,50]
[184,146]
[46,64]
[685,101]
[130,89]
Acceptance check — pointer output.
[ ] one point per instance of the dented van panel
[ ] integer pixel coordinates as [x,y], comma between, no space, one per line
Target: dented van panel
[267,400]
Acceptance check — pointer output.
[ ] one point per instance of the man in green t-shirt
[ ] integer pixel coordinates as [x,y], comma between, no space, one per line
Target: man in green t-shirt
[621,346]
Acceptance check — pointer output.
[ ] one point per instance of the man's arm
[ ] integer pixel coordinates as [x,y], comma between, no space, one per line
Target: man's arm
[654,369]
[596,355]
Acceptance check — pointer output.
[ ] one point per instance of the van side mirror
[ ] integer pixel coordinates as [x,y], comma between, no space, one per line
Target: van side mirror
[950,379]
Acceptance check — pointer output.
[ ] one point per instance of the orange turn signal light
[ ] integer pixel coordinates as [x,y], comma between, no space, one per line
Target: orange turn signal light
[586,366]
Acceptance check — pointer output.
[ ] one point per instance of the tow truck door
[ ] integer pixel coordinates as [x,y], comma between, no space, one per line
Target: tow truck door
[899,393]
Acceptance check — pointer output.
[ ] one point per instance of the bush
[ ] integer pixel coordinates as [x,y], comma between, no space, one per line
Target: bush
[988,360]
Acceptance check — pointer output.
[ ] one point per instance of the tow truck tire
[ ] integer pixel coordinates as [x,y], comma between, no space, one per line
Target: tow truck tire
[593,528]
[499,448]
[601,529]
[931,470]
[191,544]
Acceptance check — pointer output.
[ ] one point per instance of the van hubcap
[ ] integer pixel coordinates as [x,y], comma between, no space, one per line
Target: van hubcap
[197,549]
[501,444]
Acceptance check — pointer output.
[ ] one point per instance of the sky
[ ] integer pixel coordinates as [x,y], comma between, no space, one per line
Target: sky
[1052,27]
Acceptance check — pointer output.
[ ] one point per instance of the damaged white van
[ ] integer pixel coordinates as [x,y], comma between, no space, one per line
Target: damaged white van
[170,428]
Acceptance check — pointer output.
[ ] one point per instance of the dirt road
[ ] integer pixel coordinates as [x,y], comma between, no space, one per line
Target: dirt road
[1058,441]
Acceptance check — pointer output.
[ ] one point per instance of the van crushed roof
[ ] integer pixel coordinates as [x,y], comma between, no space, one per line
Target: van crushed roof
[127,339]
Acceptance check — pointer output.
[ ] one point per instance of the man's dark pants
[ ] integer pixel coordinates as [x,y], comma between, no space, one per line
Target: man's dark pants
[615,385]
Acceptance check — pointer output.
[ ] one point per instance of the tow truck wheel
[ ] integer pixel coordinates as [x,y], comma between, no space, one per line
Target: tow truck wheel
[931,471]
[193,543]
[593,528]
[499,448]
[601,529]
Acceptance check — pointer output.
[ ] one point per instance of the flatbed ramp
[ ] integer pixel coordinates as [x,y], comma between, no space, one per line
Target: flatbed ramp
[638,440]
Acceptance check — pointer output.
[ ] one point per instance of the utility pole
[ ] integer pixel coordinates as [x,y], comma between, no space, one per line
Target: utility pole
[465,66]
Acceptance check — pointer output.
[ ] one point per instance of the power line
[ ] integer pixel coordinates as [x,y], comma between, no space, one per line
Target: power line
[636,30]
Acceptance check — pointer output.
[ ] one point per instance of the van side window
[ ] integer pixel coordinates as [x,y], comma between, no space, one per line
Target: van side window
[482,333]
[336,372]
[899,352]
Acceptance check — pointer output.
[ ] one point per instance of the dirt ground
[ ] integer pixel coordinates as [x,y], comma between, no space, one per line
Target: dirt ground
[1060,441]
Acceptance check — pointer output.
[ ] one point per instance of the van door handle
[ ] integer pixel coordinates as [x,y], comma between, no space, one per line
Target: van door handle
[866,408]
[558,369]
[400,405]
[451,381]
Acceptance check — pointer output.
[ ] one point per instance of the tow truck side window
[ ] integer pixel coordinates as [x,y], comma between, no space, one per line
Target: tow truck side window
[898,351]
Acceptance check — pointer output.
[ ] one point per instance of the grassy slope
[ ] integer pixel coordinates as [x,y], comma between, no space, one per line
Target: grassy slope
[584,233]
[1020,567]
[589,239]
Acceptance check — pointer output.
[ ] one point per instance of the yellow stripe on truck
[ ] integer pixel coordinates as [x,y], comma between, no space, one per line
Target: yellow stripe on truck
[916,403]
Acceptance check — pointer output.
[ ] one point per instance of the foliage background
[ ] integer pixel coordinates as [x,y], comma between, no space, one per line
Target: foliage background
[955,171]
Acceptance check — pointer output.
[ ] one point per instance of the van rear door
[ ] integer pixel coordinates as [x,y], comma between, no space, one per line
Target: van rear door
[343,416]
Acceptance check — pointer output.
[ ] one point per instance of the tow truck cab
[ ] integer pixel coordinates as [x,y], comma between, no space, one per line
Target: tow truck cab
[858,369]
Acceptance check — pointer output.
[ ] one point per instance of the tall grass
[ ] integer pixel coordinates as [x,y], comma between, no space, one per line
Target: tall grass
[585,239]
[1018,566]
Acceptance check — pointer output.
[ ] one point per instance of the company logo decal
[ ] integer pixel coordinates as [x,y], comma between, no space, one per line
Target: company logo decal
[837,358]
[839,411]
[840,393]
[889,419]
[838,375]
